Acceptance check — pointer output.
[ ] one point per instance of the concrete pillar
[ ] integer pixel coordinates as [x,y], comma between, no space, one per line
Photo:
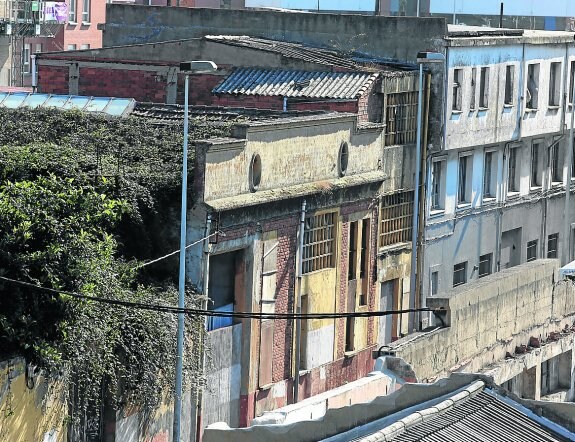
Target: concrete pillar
[171,85]
[73,78]
[532,383]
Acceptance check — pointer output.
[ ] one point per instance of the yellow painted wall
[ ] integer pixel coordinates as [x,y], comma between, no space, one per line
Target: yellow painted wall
[29,415]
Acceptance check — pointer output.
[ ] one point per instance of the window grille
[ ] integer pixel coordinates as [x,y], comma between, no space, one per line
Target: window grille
[396,218]
[401,118]
[319,242]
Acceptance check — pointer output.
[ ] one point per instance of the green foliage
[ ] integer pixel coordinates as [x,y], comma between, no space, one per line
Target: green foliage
[81,199]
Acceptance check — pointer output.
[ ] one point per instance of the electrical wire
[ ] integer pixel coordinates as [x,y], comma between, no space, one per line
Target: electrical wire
[139,266]
[212,313]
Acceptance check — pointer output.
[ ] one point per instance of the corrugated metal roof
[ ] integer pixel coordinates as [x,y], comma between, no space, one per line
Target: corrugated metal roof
[302,84]
[328,57]
[483,417]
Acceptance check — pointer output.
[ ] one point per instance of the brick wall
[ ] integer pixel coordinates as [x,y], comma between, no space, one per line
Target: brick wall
[201,86]
[140,85]
[370,106]
[337,106]
[249,101]
[53,79]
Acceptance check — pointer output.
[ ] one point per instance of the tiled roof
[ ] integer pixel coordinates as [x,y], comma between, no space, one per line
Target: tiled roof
[304,84]
[484,416]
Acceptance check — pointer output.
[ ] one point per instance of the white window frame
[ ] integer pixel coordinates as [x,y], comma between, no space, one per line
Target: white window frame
[456,91]
[555,71]
[71,47]
[468,189]
[37,48]
[555,164]
[509,85]
[484,88]
[532,86]
[26,58]
[539,161]
[72,12]
[437,189]
[86,5]
[515,156]
[492,195]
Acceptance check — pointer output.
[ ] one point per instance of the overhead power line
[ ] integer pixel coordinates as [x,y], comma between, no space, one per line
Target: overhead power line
[200,312]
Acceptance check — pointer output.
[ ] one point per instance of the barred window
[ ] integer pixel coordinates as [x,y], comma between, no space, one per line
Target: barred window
[396,218]
[401,118]
[319,242]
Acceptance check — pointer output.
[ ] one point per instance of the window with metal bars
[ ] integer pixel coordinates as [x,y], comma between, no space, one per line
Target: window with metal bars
[396,218]
[401,118]
[319,242]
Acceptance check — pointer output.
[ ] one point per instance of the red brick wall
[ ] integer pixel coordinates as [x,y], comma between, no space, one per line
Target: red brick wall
[201,86]
[53,79]
[249,101]
[336,106]
[370,106]
[141,85]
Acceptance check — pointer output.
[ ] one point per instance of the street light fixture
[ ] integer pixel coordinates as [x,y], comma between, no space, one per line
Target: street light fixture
[187,67]
[422,58]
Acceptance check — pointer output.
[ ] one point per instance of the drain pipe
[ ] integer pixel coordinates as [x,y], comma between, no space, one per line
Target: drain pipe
[298,304]
[568,173]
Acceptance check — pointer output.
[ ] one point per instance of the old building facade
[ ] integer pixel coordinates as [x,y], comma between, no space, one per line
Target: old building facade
[496,190]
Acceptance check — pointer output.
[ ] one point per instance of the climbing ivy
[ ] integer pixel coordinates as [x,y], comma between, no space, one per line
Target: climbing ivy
[83,199]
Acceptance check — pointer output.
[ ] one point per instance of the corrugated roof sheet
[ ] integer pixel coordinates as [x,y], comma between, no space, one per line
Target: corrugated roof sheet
[302,84]
[483,417]
[328,57]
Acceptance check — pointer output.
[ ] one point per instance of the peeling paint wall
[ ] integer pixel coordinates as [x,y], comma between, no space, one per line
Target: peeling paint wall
[30,414]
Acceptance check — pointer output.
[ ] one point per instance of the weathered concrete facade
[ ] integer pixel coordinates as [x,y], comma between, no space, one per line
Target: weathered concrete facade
[496,190]
[299,159]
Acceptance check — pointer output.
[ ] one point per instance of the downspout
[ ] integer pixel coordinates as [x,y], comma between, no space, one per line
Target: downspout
[568,164]
[285,105]
[205,295]
[298,303]
[34,73]
[419,298]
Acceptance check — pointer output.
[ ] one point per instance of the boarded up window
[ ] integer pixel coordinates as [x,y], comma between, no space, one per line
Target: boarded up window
[401,118]
[319,242]
[396,218]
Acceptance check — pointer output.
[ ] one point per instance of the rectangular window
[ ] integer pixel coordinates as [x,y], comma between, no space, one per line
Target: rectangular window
[555,84]
[396,218]
[26,59]
[464,183]
[536,151]
[571,77]
[352,256]
[319,242]
[434,283]
[363,256]
[473,88]
[72,11]
[512,172]
[532,250]
[85,46]
[485,265]
[509,84]
[349,333]
[459,274]
[38,48]
[456,96]
[401,118]
[438,185]
[489,175]
[484,88]
[85,11]
[532,97]
[71,47]
[555,169]
[552,241]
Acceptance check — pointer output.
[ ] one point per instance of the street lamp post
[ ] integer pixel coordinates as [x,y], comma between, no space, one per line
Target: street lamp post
[422,57]
[187,67]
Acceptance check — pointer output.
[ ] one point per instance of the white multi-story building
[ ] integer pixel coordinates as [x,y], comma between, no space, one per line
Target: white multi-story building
[496,188]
